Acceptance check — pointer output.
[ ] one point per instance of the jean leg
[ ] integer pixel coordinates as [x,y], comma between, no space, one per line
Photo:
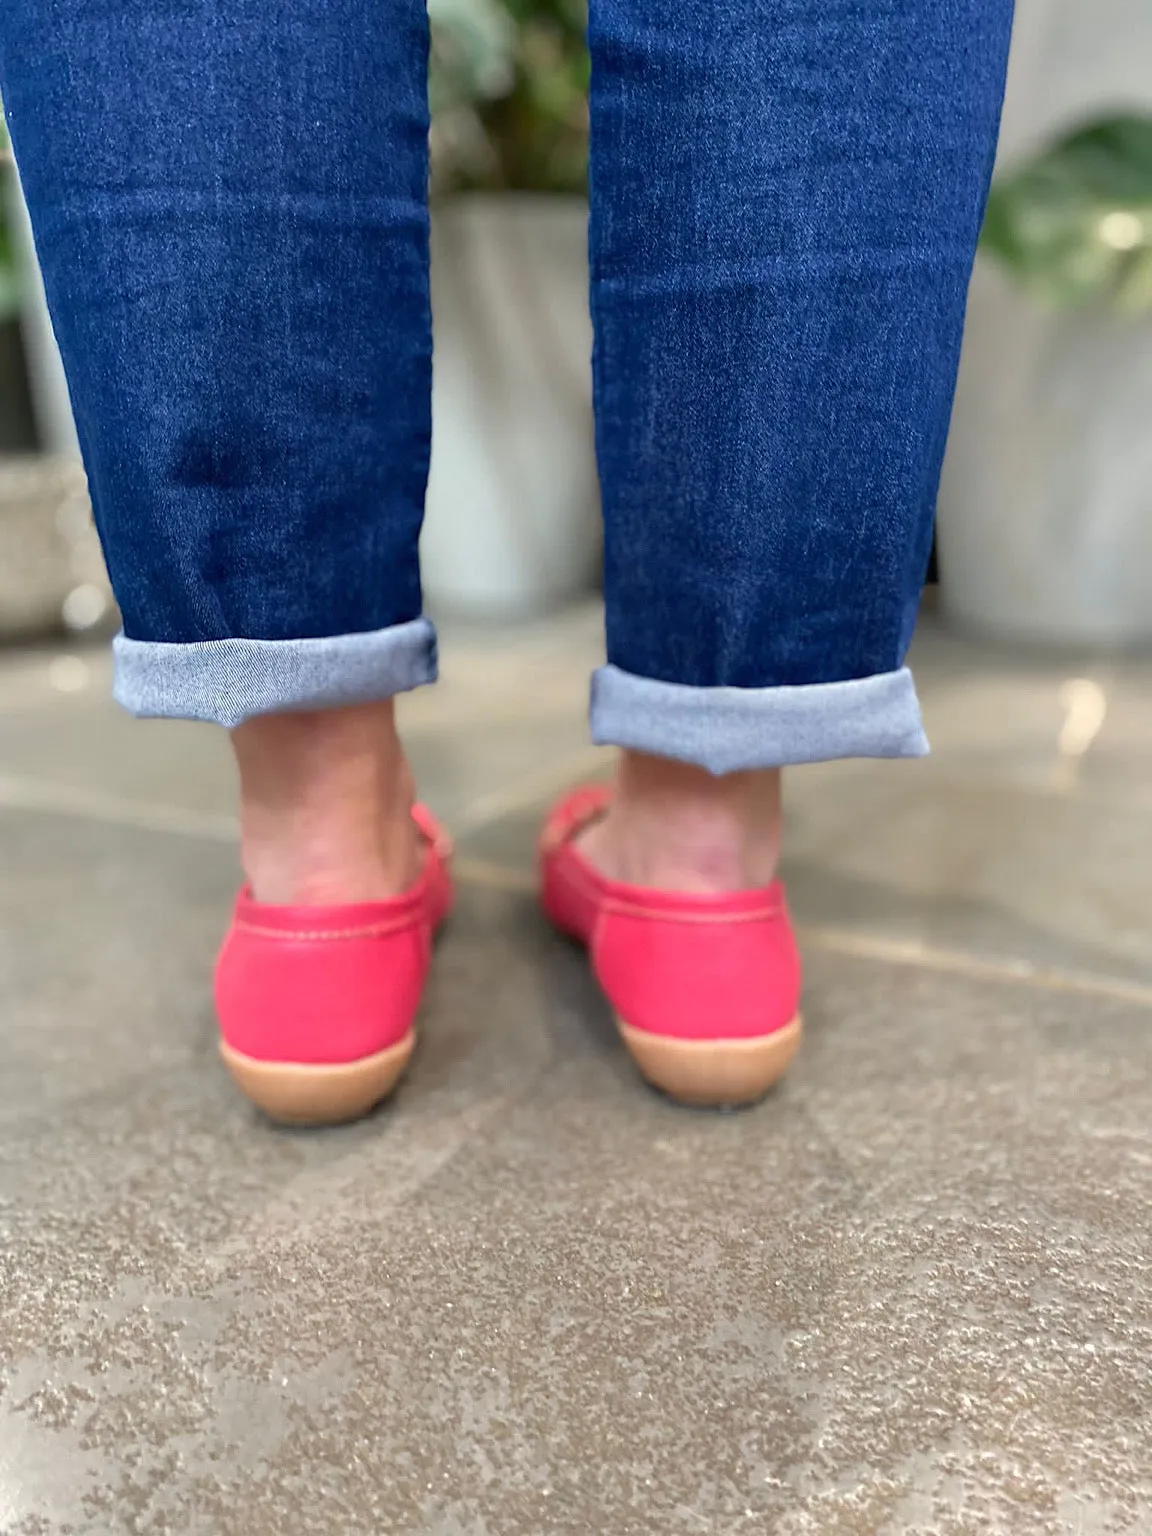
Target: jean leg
[230,209]
[786,197]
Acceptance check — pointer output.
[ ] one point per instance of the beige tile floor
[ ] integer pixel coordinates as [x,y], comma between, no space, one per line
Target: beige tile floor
[908,1293]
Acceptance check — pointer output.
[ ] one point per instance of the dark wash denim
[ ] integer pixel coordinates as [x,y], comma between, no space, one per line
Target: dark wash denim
[229,200]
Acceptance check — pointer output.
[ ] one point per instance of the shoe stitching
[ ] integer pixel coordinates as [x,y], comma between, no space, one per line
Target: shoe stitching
[659,914]
[375,930]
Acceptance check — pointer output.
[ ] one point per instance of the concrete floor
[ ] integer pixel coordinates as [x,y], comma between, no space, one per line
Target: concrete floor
[908,1293]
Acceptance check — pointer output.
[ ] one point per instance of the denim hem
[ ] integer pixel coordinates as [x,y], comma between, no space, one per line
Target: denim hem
[227,681]
[725,729]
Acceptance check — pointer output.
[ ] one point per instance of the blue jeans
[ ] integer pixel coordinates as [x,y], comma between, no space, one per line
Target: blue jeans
[230,204]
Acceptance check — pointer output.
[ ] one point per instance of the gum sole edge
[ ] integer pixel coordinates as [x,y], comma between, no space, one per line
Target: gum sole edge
[713,1073]
[298,1093]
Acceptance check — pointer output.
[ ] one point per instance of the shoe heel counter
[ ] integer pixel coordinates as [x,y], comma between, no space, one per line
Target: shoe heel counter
[319,1001]
[698,978]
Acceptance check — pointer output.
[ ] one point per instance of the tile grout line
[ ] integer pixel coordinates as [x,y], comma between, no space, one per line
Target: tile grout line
[485,875]
[111,810]
[529,790]
[114,810]
[861,944]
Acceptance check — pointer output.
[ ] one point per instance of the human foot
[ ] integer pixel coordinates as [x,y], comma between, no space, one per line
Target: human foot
[704,982]
[320,977]
[326,806]
[674,827]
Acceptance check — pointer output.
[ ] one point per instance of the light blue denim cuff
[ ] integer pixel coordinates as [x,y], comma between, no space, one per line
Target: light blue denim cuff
[230,680]
[724,729]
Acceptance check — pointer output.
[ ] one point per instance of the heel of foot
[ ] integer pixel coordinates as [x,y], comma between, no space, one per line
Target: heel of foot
[713,1073]
[296,1093]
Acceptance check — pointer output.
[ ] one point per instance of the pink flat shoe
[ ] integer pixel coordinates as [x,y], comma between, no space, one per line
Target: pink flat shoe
[705,989]
[317,1005]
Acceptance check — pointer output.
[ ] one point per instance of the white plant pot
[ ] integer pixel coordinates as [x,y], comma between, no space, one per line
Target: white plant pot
[1045,511]
[513,522]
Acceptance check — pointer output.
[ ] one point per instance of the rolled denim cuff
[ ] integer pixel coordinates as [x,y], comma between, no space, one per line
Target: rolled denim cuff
[228,681]
[725,729]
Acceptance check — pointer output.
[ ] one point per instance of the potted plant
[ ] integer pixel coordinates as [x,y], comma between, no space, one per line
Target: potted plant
[1045,512]
[512,523]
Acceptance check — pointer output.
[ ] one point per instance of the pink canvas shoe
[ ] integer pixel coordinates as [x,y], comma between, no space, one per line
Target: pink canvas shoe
[317,1005]
[705,989]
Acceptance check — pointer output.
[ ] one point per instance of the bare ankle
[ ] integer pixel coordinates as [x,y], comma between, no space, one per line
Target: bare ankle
[674,826]
[325,803]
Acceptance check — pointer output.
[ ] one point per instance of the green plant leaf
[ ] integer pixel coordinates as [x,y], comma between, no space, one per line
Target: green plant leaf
[1074,226]
[508,88]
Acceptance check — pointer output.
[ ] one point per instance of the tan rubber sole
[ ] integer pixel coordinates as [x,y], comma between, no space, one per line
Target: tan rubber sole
[716,1073]
[293,1093]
